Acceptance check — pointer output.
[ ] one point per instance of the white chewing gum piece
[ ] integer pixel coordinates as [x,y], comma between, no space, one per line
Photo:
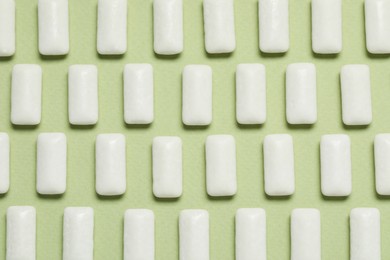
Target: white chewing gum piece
[365,226]
[251,240]
[326,26]
[251,104]
[279,176]
[110,164]
[21,233]
[197,107]
[194,234]
[112,27]
[78,233]
[356,94]
[336,175]
[51,163]
[167,167]
[83,94]
[26,94]
[7,28]
[168,26]
[138,94]
[377,19]
[53,25]
[221,179]
[4,163]
[301,93]
[219,28]
[382,164]
[305,234]
[274,26]
[138,235]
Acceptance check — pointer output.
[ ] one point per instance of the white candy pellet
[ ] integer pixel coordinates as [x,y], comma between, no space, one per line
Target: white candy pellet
[53,20]
[168,26]
[167,167]
[110,164]
[336,175]
[219,26]
[78,233]
[221,179]
[4,162]
[112,27]
[356,94]
[251,240]
[251,107]
[301,93]
[26,94]
[305,234]
[197,95]
[382,164]
[194,234]
[279,174]
[138,234]
[83,94]
[377,14]
[138,94]
[21,233]
[327,31]
[7,28]
[365,226]
[273,26]
[51,163]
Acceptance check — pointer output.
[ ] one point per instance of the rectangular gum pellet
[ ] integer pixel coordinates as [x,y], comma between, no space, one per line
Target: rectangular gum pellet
[112,27]
[336,176]
[365,226]
[168,26]
[251,241]
[167,167]
[301,93]
[274,26]
[197,95]
[356,94]
[279,174]
[251,107]
[327,34]
[21,233]
[139,234]
[382,164]
[53,21]
[194,234]
[4,163]
[110,164]
[305,234]
[78,233]
[83,94]
[7,28]
[51,163]
[219,26]
[138,94]
[221,179]
[377,19]
[26,94]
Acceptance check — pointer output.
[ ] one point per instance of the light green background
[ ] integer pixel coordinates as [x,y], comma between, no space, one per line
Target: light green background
[109,211]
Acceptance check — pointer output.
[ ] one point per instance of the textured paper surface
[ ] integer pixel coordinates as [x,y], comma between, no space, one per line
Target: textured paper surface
[167,71]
